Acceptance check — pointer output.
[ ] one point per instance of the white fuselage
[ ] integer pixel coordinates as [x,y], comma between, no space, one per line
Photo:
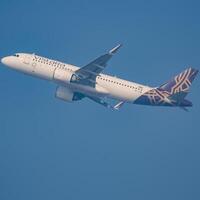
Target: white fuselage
[59,72]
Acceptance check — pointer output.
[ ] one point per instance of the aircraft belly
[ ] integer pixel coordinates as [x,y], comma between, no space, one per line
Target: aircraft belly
[84,89]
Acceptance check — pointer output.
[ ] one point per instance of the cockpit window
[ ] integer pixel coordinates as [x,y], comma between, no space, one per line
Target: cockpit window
[17,55]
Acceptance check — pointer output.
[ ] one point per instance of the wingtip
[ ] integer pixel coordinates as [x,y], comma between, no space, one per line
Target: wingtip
[119,105]
[115,49]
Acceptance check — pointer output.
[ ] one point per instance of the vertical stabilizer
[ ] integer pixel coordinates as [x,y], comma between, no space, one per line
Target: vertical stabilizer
[181,82]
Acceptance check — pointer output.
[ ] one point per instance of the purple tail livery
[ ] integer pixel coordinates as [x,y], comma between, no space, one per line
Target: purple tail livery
[171,93]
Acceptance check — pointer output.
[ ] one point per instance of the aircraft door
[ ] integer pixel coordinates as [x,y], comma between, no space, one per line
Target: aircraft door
[34,64]
[30,66]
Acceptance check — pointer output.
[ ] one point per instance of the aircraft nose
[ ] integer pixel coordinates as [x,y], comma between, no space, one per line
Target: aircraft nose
[5,60]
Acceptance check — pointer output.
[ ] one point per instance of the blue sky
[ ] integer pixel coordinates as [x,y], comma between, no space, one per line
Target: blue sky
[55,150]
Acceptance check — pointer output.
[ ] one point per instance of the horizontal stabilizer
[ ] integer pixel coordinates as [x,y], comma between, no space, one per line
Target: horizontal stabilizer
[178,97]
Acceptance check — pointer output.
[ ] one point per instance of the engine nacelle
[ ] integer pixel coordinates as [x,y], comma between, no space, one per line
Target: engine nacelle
[63,76]
[66,94]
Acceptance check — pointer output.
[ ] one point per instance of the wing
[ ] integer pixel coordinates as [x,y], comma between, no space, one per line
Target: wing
[102,102]
[91,70]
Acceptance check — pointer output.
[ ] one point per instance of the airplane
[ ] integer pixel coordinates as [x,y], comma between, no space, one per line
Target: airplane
[75,83]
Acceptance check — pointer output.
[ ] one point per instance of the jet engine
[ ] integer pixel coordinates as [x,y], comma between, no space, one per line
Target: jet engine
[64,76]
[68,95]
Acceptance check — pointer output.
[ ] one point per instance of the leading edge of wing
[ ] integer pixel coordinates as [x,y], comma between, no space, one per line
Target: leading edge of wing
[95,67]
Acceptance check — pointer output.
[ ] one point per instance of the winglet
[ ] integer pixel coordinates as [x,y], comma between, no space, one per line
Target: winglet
[114,50]
[119,105]
[184,108]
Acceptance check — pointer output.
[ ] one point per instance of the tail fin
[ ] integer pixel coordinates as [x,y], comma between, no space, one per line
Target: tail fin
[178,87]
[181,82]
[172,93]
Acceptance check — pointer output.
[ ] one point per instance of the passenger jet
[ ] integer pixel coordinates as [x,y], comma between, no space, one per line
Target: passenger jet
[75,83]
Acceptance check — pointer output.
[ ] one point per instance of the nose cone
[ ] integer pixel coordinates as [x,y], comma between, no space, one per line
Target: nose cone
[11,62]
[5,60]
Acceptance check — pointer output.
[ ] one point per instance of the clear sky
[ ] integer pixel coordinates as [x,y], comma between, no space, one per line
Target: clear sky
[55,150]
